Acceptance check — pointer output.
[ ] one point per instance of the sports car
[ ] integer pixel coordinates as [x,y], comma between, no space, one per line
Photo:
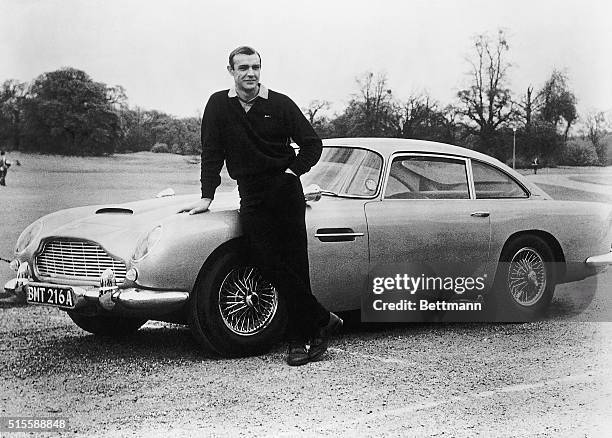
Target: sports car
[371,204]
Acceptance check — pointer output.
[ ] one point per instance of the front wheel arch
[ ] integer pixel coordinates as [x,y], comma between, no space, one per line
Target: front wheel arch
[206,317]
[237,244]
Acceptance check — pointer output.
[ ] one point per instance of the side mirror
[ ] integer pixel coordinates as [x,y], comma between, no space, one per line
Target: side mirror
[312,193]
[166,192]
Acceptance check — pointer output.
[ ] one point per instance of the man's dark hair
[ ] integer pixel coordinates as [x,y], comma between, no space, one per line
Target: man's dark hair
[1,152]
[242,50]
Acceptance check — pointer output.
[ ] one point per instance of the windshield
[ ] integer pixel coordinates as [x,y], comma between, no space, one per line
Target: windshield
[346,172]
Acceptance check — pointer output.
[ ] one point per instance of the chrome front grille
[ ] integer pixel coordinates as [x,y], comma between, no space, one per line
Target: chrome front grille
[76,260]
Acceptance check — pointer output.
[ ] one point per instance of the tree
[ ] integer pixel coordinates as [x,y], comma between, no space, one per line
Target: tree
[371,112]
[558,102]
[192,145]
[451,123]
[415,116]
[542,113]
[529,107]
[133,135]
[421,117]
[142,129]
[487,103]
[375,104]
[182,134]
[12,95]
[319,122]
[117,97]
[542,141]
[68,113]
[597,126]
[313,109]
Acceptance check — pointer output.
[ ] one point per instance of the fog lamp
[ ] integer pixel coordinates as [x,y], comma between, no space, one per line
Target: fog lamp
[108,281]
[108,286]
[24,274]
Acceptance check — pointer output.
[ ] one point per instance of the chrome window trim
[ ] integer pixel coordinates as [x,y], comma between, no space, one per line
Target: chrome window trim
[471,186]
[380,177]
[465,160]
[525,189]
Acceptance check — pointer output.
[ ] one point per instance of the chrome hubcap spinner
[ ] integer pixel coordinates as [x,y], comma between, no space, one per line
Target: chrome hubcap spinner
[247,301]
[527,277]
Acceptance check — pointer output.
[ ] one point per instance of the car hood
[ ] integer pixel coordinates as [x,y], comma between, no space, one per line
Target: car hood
[117,227]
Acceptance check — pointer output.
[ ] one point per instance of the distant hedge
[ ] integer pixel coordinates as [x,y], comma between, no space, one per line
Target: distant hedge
[160,148]
[579,153]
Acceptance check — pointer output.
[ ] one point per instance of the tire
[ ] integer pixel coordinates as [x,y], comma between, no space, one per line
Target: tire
[525,280]
[233,310]
[112,326]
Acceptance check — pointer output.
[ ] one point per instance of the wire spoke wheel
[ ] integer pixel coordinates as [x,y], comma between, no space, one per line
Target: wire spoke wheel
[526,278]
[247,302]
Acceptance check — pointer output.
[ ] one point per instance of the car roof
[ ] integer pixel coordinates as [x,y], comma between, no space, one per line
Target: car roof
[388,146]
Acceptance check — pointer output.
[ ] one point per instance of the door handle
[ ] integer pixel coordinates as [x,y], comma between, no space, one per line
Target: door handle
[480,214]
[337,234]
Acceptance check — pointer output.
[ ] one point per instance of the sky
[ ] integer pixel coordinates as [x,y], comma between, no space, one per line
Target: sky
[171,55]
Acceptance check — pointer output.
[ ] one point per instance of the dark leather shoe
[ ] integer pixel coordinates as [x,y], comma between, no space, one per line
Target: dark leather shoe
[319,344]
[297,353]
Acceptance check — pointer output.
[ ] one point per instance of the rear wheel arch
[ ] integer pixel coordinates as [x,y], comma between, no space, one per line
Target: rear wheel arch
[549,239]
[525,277]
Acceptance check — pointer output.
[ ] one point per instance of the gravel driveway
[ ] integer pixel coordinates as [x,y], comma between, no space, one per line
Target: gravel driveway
[546,378]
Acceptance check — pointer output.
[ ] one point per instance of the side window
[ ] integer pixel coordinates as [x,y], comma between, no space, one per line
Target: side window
[346,171]
[427,178]
[491,183]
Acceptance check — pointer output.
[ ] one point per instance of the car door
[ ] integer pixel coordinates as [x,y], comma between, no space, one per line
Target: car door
[346,177]
[338,249]
[427,215]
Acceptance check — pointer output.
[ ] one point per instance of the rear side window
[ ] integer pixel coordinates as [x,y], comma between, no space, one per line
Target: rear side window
[427,178]
[491,183]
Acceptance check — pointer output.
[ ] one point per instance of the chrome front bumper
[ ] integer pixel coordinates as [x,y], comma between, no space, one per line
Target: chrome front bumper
[129,300]
[105,297]
[600,260]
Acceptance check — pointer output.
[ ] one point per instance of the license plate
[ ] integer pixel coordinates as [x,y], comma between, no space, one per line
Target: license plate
[50,295]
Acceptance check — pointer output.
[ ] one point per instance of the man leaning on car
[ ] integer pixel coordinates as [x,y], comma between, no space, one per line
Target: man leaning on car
[250,128]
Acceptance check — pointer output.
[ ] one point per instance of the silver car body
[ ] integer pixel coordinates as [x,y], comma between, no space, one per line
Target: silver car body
[348,235]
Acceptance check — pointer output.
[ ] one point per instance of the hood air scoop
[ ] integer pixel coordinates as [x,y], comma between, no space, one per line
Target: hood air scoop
[114,210]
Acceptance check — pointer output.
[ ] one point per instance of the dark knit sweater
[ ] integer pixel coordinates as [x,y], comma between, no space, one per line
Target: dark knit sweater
[257,142]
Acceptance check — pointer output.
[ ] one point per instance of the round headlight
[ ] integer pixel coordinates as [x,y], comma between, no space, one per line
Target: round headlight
[146,243]
[28,236]
[131,274]
[14,265]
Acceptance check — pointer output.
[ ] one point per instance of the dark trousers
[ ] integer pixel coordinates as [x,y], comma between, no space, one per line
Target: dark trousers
[272,215]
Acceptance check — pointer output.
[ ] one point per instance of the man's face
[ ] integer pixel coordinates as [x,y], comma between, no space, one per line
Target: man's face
[246,71]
